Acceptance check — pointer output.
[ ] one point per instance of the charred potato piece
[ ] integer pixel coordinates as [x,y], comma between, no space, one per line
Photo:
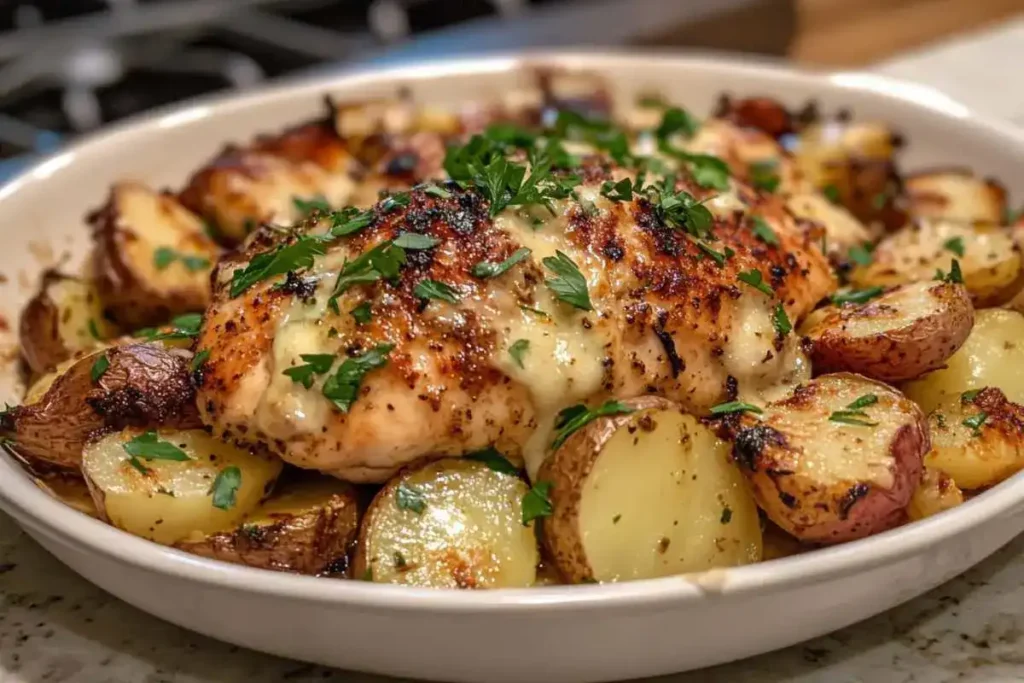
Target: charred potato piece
[900,335]
[977,439]
[167,485]
[988,259]
[837,460]
[451,523]
[152,257]
[71,490]
[64,317]
[955,195]
[646,494]
[936,492]
[305,527]
[992,356]
[141,384]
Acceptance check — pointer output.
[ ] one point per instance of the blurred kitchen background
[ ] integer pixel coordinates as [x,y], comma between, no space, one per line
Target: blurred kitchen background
[70,66]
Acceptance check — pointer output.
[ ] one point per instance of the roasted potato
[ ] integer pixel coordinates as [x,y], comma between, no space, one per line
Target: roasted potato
[936,492]
[306,527]
[451,523]
[152,257]
[955,195]
[900,335]
[778,544]
[843,230]
[977,438]
[988,258]
[992,356]
[142,384]
[837,460]
[646,494]
[168,484]
[71,490]
[64,317]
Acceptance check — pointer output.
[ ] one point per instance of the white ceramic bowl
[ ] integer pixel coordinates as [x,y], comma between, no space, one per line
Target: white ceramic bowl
[570,633]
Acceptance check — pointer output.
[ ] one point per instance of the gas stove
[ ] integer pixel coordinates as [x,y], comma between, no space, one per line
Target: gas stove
[71,66]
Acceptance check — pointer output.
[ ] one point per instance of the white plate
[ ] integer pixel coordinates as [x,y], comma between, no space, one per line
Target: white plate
[579,633]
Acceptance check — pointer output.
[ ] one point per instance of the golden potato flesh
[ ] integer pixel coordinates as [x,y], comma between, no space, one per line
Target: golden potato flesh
[956,196]
[936,492]
[152,257]
[167,485]
[646,494]
[977,439]
[843,230]
[64,317]
[306,526]
[988,259]
[837,460]
[992,356]
[451,523]
[897,336]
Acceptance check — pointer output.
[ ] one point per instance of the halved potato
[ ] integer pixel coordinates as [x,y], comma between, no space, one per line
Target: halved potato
[450,523]
[842,229]
[71,490]
[778,544]
[306,526]
[936,492]
[64,317]
[152,258]
[900,335]
[164,500]
[992,356]
[143,385]
[990,260]
[978,441]
[837,460]
[955,195]
[646,494]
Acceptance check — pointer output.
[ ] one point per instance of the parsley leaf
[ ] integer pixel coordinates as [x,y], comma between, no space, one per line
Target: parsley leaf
[537,502]
[394,201]
[734,407]
[764,231]
[598,132]
[94,331]
[306,207]
[780,321]
[414,241]
[486,269]
[717,256]
[676,120]
[434,289]
[955,245]
[518,348]
[183,327]
[954,276]
[857,418]
[535,311]
[298,254]
[225,487]
[494,460]
[707,170]
[975,422]
[681,210]
[381,262]
[199,359]
[150,447]
[361,313]
[165,256]
[437,191]
[349,221]
[860,255]
[342,388]
[621,191]
[754,278]
[315,364]
[763,175]
[408,497]
[969,395]
[863,401]
[857,296]
[831,193]
[99,367]
[569,285]
[572,419]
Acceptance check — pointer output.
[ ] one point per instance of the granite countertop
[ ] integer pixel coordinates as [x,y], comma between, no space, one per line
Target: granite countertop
[56,627]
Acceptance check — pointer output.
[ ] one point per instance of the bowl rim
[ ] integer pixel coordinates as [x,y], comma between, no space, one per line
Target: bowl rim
[42,514]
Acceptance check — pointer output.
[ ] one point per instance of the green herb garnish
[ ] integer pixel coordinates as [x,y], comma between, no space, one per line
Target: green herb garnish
[415,241]
[708,171]
[754,278]
[621,191]
[165,256]
[361,313]
[857,296]
[494,460]
[854,413]
[955,245]
[537,502]
[99,367]
[486,269]
[969,395]
[569,285]
[676,120]
[831,193]
[764,232]
[860,255]
[717,256]
[342,388]
[437,191]
[225,487]
[306,207]
[954,276]
[408,497]
[863,402]
[315,364]
[572,419]
[763,175]
[199,359]
[974,422]
[734,407]
[94,331]
[434,289]
[150,447]
[294,256]
[183,327]
[780,321]
[349,221]
[518,349]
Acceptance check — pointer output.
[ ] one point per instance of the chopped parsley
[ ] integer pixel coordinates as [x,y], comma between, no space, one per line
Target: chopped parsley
[315,364]
[763,175]
[165,256]
[434,289]
[969,395]
[860,254]
[94,331]
[717,256]
[764,231]
[831,193]
[863,402]
[408,497]
[225,487]
[621,191]
[487,269]
[974,422]
[854,413]
[494,460]
[306,207]
[199,359]
[680,210]
[598,132]
[518,349]
[754,278]
[415,241]
[572,419]
[569,285]
[955,245]
[99,367]
[437,191]
[677,120]
[150,447]
[361,313]
[349,221]
[537,502]
[734,407]
[535,311]
[183,327]
[383,261]
[954,277]
[780,321]
[395,201]
[708,171]
[342,388]
[298,254]
[857,296]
